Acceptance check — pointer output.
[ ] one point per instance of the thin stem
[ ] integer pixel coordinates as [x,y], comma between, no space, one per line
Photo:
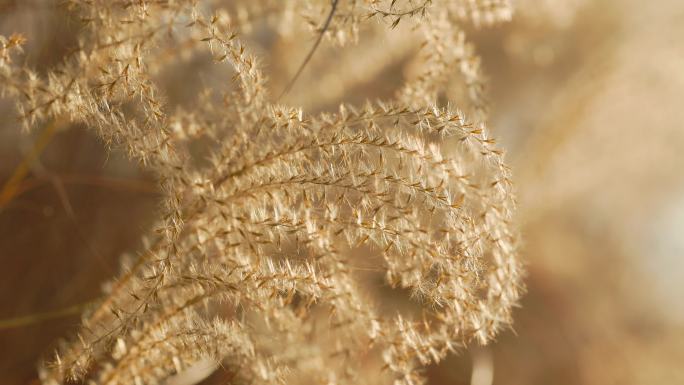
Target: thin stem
[326,25]
[11,323]
[11,187]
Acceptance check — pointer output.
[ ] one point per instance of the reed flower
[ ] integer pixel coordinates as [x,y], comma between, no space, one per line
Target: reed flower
[255,259]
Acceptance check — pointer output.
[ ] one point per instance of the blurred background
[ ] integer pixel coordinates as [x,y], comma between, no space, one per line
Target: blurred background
[586,99]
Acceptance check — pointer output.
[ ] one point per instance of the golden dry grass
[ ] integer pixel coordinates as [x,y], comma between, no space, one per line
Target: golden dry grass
[583,97]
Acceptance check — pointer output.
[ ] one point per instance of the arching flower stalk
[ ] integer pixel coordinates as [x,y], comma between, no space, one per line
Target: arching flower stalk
[259,255]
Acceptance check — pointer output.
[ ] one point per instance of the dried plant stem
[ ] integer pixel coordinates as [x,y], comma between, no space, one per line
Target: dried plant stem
[11,187]
[105,182]
[31,319]
[308,57]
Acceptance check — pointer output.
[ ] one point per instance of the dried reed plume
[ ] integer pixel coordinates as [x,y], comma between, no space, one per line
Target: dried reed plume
[254,261]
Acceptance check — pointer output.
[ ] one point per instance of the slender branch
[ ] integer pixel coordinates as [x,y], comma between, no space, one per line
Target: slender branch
[326,25]
[11,187]
[11,323]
